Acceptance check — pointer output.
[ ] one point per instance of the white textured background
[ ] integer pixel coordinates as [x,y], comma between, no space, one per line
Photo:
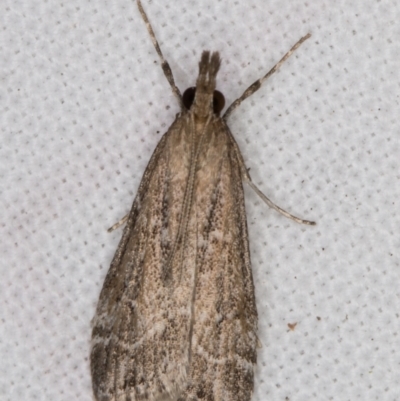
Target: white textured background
[83,102]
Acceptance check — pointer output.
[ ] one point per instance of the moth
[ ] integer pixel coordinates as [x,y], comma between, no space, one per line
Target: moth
[177,319]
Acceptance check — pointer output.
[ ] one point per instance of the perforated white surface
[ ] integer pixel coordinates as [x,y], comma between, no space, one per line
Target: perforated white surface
[83,102]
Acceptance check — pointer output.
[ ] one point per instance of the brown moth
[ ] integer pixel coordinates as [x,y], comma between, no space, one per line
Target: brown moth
[176,318]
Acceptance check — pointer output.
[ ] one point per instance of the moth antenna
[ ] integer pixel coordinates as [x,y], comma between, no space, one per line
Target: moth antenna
[164,63]
[257,85]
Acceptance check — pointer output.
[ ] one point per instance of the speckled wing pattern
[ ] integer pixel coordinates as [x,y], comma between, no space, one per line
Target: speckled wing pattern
[176,319]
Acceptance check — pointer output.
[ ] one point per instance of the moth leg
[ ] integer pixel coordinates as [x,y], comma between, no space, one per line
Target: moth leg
[119,223]
[276,207]
[256,85]
[164,63]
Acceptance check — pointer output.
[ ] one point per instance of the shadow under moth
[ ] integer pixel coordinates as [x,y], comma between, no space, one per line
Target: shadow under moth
[177,319]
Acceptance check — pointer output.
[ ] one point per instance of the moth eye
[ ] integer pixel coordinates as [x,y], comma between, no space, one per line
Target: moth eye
[188,97]
[218,102]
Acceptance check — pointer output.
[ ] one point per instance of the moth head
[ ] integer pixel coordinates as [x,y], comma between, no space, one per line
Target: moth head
[204,99]
[218,102]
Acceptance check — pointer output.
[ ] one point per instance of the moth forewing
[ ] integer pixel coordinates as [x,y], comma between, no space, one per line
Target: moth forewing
[176,318]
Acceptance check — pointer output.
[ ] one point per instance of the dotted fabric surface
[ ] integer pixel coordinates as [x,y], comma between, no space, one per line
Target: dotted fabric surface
[83,103]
